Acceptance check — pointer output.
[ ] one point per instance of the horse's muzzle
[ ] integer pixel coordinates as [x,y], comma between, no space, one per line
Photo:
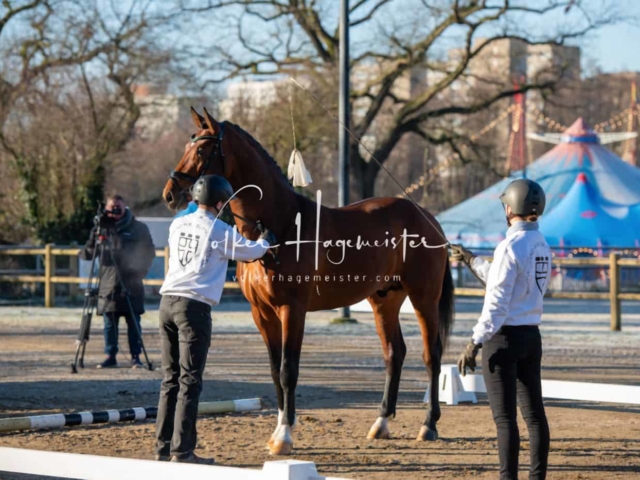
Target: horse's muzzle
[176,201]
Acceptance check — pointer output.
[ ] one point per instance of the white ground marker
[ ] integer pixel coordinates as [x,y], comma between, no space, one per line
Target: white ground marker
[454,388]
[92,467]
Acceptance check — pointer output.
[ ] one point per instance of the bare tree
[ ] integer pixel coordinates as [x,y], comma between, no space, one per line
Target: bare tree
[271,123]
[266,38]
[67,102]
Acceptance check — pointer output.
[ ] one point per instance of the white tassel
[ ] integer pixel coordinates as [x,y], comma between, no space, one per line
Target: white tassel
[297,172]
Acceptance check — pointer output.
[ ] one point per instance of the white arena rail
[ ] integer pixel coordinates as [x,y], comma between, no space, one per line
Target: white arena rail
[91,467]
[455,388]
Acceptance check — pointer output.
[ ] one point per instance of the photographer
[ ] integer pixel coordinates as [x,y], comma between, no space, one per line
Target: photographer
[130,243]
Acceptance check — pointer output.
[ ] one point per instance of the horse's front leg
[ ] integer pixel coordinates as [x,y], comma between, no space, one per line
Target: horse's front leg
[270,328]
[292,318]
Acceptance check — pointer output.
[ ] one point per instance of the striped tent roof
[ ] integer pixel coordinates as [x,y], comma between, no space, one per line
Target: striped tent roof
[479,221]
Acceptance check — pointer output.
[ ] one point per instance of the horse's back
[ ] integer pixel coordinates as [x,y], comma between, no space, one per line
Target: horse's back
[415,218]
[375,203]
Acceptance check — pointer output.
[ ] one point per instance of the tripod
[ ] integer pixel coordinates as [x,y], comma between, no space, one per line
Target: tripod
[103,241]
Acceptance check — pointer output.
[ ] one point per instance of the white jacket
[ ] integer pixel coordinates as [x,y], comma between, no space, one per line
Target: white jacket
[516,279]
[200,247]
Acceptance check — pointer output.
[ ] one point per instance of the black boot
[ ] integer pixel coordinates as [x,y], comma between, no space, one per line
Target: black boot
[135,361]
[109,362]
[193,458]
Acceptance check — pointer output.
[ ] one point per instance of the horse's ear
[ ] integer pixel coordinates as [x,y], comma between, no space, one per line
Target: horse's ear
[198,119]
[210,121]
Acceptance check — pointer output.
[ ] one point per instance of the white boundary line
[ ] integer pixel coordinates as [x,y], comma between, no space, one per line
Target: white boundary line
[580,391]
[92,467]
[455,388]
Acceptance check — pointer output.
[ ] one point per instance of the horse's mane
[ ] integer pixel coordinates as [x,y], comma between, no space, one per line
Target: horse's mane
[261,150]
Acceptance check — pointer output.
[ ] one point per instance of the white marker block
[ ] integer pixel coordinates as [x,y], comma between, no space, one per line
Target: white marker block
[452,390]
[289,470]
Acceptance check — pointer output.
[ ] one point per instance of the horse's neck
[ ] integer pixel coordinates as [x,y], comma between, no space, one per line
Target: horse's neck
[276,210]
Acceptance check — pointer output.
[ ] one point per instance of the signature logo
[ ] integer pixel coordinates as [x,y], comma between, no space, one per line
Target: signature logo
[187,247]
[542,273]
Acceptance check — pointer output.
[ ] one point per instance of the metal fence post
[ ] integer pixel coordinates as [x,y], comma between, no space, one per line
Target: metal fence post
[49,293]
[614,291]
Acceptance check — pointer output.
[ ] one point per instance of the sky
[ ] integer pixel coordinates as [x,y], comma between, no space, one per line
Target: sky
[615,48]
[611,48]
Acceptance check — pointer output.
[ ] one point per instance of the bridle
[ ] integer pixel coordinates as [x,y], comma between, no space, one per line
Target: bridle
[216,153]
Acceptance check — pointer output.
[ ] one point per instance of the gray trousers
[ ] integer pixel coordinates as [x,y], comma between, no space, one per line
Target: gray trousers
[185,336]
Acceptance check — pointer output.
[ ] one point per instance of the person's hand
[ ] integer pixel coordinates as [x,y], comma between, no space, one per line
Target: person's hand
[468,358]
[267,236]
[461,254]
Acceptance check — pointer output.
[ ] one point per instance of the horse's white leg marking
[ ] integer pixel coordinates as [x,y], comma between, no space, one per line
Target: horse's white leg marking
[379,429]
[282,444]
[275,432]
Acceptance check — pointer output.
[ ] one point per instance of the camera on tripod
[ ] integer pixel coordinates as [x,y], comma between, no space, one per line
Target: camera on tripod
[104,220]
[103,246]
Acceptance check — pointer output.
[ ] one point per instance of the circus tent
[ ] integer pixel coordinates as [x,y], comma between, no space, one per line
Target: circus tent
[583,217]
[601,190]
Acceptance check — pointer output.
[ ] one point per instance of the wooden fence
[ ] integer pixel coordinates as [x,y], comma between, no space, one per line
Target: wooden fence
[614,295]
[613,262]
[50,279]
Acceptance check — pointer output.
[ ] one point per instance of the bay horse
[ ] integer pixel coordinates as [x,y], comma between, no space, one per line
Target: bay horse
[325,274]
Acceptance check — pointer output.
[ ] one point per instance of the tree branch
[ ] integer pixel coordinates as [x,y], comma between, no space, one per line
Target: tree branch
[412,124]
[11,12]
[369,15]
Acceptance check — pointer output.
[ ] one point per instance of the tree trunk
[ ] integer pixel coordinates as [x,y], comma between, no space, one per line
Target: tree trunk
[364,174]
[368,182]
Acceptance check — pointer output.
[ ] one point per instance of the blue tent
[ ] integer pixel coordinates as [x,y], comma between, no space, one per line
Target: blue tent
[479,221]
[582,217]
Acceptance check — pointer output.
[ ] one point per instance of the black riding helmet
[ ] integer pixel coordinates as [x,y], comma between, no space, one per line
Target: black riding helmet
[211,189]
[525,197]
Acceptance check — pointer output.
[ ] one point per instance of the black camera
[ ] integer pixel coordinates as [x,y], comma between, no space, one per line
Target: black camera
[103,220]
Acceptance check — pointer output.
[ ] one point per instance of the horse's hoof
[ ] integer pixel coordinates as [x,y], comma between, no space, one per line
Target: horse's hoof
[427,435]
[279,447]
[379,430]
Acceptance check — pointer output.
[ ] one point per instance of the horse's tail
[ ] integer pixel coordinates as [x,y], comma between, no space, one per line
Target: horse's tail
[446,308]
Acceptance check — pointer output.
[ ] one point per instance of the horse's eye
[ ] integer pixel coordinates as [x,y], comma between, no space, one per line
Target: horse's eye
[199,151]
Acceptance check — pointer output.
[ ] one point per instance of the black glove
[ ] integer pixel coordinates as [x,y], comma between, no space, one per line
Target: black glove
[468,358]
[461,254]
[267,236]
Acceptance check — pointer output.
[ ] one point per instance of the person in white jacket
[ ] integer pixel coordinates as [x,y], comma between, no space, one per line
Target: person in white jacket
[507,330]
[200,247]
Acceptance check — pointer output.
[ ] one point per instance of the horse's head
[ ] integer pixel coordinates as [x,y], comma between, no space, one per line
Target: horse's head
[203,155]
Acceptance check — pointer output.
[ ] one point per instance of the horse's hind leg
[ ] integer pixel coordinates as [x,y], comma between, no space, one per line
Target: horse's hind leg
[270,328]
[426,308]
[385,311]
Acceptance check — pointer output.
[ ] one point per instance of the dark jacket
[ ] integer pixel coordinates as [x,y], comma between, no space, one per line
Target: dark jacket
[133,252]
